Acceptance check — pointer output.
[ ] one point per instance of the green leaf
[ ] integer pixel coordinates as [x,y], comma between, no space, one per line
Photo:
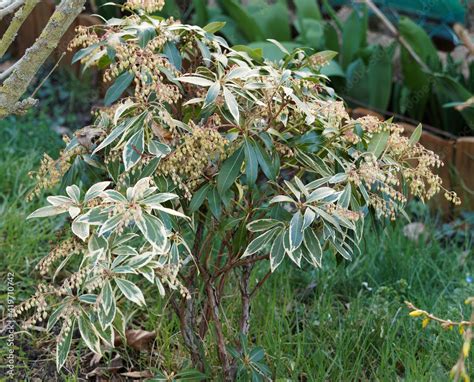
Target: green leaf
[259,242]
[230,170]
[118,87]
[212,94]
[156,200]
[353,37]
[47,211]
[214,201]
[232,104]
[416,135]
[264,161]
[378,143]
[171,51]
[205,52]
[249,26]
[251,163]
[449,89]
[64,346]
[313,247]
[146,32]
[80,54]
[88,334]
[296,231]
[158,149]
[131,291]
[307,9]
[380,77]
[324,57]
[118,131]
[133,150]
[415,78]
[154,231]
[198,197]
[273,21]
[271,51]
[195,80]
[108,307]
[320,194]
[277,252]
[214,27]
[200,12]
[54,317]
[262,225]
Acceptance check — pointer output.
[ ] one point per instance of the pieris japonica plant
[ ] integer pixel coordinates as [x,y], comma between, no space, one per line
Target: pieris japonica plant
[206,161]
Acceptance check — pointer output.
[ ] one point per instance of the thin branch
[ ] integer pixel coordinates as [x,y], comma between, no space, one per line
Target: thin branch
[260,283]
[240,262]
[444,323]
[17,21]
[8,71]
[12,7]
[15,86]
[221,349]
[49,74]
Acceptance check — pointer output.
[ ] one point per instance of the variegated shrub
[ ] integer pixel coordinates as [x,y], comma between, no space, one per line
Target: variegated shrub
[205,161]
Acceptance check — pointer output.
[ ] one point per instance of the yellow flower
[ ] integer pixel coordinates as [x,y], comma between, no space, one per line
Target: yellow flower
[416,313]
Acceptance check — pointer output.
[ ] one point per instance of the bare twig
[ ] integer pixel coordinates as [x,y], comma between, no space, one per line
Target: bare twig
[48,75]
[8,71]
[260,283]
[444,323]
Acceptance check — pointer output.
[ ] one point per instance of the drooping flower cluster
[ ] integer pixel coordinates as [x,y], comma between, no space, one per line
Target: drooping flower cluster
[194,159]
[149,6]
[199,140]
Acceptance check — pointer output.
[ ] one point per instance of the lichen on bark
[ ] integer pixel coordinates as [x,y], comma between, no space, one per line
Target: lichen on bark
[26,68]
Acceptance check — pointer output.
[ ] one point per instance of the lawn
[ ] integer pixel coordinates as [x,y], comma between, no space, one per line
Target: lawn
[344,322]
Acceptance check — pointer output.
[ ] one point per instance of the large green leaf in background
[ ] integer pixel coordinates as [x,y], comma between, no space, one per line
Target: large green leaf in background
[312,33]
[449,90]
[273,20]
[357,84]
[380,77]
[307,9]
[371,83]
[354,37]
[244,20]
[415,78]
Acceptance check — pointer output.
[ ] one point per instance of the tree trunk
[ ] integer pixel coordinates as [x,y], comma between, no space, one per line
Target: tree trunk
[26,68]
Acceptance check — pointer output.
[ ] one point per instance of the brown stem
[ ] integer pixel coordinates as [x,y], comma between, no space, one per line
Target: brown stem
[260,283]
[191,340]
[240,262]
[222,353]
[245,299]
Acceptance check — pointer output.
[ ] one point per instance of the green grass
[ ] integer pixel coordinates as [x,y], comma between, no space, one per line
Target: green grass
[346,322]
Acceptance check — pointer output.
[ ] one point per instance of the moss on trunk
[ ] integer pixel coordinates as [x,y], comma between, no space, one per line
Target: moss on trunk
[26,68]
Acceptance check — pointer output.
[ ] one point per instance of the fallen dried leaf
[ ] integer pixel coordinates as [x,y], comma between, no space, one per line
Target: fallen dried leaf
[139,339]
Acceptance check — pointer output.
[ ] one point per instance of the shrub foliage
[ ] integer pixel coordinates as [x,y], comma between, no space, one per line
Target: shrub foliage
[206,160]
